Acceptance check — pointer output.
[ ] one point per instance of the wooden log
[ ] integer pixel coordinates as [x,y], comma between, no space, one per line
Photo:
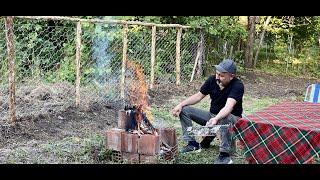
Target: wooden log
[124,59]
[153,54]
[178,57]
[78,56]
[103,21]
[11,64]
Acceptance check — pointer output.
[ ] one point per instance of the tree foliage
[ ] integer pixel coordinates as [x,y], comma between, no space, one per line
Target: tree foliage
[291,44]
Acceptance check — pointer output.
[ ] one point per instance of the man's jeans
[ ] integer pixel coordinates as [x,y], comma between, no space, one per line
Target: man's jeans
[189,114]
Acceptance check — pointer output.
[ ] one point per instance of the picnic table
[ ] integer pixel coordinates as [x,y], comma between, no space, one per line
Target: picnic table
[285,133]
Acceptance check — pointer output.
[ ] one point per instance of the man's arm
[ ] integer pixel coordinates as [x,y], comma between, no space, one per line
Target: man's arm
[224,112]
[194,99]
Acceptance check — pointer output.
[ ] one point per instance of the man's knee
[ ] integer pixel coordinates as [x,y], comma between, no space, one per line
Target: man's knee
[184,115]
[185,109]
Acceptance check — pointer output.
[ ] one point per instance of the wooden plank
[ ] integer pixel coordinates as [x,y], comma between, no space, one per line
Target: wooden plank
[103,21]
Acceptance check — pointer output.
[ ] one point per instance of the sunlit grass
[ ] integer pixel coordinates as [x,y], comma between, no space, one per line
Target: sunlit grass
[251,105]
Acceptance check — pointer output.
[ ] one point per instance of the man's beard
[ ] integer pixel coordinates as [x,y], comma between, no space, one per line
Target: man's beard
[220,84]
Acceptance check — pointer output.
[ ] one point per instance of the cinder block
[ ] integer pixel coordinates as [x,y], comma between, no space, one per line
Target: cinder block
[146,159]
[122,119]
[149,144]
[131,158]
[130,142]
[114,139]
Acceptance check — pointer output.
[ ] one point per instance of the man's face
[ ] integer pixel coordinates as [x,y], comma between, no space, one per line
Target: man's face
[224,78]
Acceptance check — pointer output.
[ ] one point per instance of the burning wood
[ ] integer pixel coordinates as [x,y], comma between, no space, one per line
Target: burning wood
[138,123]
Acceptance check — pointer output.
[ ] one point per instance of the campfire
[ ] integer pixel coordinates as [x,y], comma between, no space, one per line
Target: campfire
[135,139]
[138,122]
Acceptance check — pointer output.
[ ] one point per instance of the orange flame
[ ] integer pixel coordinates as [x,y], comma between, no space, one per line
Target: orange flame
[138,88]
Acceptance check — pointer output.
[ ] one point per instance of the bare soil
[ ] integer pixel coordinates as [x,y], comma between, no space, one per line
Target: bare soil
[257,85]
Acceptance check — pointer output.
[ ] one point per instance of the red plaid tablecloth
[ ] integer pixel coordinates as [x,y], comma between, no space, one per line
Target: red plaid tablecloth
[286,133]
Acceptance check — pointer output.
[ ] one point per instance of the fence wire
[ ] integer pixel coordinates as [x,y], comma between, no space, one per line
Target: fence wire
[3,71]
[45,52]
[101,60]
[44,60]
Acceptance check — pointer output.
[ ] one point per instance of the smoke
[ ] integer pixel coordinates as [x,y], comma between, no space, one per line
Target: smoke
[103,76]
[160,123]
[102,59]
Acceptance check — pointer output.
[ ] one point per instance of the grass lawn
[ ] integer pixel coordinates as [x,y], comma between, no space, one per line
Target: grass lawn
[207,156]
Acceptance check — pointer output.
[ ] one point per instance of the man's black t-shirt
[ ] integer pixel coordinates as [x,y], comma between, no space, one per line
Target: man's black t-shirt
[234,90]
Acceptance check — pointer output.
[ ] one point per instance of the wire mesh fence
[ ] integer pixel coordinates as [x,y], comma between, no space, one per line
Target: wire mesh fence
[101,60]
[3,71]
[45,53]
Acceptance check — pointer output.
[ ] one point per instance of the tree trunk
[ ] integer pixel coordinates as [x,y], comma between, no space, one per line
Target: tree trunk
[261,40]
[230,52]
[249,48]
[239,45]
[225,51]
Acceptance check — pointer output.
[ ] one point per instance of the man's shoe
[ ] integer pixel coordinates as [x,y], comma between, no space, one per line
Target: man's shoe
[223,160]
[189,148]
[205,143]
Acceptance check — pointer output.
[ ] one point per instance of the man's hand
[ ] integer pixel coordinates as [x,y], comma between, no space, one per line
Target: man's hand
[176,111]
[212,122]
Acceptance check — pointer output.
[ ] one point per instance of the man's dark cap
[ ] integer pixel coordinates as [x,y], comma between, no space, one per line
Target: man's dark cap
[227,65]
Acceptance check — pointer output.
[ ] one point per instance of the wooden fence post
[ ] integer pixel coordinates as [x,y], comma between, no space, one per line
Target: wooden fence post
[11,64]
[178,57]
[124,58]
[153,54]
[78,57]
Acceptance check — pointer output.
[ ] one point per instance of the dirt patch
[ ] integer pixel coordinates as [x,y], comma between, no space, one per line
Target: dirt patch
[257,84]
[48,112]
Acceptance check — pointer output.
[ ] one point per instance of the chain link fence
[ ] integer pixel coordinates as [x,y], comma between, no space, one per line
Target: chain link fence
[101,50]
[44,66]
[3,71]
[45,53]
